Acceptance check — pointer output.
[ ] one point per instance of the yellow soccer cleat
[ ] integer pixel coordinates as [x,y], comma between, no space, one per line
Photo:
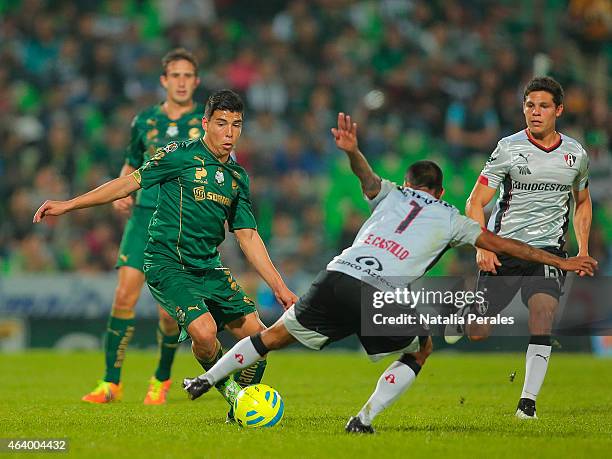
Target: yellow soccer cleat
[105,392]
[156,395]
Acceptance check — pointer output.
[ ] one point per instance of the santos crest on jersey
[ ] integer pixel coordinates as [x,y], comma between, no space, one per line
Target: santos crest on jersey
[405,235]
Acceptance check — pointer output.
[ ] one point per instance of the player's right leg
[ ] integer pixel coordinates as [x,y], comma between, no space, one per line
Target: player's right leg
[118,335]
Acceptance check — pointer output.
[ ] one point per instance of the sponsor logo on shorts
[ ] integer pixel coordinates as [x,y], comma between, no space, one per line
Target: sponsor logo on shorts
[239,358]
[193,308]
[390,378]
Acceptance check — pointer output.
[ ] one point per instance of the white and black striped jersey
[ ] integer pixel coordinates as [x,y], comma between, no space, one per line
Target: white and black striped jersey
[406,234]
[535,184]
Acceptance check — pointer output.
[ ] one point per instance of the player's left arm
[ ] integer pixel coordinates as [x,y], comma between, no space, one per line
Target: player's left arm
[583,209]
[255,250]
[583,216]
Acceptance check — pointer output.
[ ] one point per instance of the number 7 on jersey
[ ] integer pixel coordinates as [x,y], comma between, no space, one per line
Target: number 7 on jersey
[416,208]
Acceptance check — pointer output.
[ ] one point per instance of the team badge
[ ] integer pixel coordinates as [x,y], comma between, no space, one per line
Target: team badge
[172,130]
[219,177]
[194,133]
[570,159]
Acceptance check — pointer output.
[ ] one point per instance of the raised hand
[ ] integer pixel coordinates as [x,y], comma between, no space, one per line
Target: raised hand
[345,134]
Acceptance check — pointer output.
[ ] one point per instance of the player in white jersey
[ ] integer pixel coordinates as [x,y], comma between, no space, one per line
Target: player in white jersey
[537,171]
[409,228]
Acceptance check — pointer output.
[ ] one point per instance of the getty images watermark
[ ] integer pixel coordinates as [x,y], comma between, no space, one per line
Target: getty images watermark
[414,307]
[445,304]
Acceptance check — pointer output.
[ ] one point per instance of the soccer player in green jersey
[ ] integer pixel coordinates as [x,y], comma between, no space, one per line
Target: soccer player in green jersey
[200,189]
[177,118]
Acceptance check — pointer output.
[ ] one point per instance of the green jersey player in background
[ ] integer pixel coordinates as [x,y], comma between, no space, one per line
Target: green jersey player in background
[177,118]
[201,188]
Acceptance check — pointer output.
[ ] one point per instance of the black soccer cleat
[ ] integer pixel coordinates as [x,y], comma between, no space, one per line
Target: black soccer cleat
[354,425]
[526,409]
[196,387]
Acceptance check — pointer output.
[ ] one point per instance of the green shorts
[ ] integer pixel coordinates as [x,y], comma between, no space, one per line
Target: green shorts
[135,237]
[186,295]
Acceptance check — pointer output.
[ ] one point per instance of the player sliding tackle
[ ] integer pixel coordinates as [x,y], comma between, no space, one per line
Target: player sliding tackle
[415,218]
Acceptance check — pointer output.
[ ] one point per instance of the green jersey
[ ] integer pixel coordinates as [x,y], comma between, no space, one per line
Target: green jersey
[197,195]
[152,129]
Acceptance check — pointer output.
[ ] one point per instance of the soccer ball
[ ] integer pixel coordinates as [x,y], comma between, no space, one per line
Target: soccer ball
[258,406]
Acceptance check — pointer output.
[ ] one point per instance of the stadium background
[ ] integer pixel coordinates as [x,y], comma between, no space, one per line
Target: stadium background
[416,75]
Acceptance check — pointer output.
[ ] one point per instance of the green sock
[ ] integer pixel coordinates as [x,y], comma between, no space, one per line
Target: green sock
[167,348]
[227,387]
[118,335]
[251,375]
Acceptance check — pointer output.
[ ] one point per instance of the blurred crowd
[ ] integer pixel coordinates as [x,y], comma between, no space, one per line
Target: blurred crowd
[438,79]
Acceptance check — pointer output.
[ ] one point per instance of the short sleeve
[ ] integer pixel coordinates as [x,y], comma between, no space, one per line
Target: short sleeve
[134,153]
[464,230]
[241,214]
[164,166]
[581,181]
[386,187]
[497,167]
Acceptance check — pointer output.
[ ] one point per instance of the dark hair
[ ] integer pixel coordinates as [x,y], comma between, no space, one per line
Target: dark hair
[425,174]
[547,84]
[224,99]
[179,54]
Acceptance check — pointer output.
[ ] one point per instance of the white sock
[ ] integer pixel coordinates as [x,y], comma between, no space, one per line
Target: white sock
[536,364]
[392,383]
[242,355]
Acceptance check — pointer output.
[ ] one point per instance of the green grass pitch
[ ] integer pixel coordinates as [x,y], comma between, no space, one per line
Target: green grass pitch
[460,406]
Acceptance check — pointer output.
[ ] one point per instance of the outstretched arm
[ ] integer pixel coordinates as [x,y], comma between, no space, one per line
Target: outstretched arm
[346,139]
[255,251]
[115,189]
[505,246]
